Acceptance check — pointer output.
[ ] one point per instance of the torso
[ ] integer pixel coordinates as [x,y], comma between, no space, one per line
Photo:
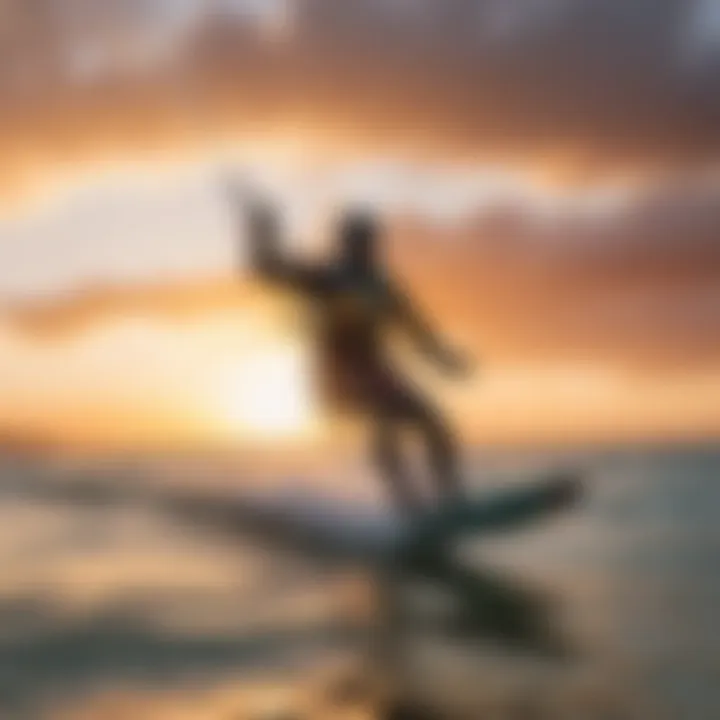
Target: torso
[352,318]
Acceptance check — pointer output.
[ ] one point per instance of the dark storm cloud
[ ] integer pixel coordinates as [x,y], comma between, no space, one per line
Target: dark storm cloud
[601,81]
[561,85]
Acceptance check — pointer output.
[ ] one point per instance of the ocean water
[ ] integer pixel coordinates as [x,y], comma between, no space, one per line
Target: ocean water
[108,610]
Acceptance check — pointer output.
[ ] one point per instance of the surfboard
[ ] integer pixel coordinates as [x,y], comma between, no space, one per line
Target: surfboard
[335,529]
[505,509]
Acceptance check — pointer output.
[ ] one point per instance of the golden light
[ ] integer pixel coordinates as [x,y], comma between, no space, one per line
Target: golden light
[268,394]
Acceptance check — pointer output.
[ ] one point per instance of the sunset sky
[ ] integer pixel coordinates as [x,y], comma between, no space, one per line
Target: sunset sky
[547,171]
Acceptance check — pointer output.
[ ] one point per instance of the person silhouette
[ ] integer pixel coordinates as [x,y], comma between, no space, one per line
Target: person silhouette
[356,308]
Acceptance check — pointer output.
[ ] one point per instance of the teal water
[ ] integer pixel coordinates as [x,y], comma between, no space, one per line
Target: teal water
[102,603]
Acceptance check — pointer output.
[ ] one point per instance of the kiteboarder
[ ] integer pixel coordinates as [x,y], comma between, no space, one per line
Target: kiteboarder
[356,307]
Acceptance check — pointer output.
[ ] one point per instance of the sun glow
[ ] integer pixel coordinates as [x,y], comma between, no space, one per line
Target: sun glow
[268,394]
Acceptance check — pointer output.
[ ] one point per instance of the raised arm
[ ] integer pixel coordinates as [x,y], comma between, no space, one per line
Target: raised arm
[411,321]
[266,258]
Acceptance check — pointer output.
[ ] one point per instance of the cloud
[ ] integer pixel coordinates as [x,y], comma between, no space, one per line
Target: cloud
[560,86]
[637,287]
[582,87]
[57,319]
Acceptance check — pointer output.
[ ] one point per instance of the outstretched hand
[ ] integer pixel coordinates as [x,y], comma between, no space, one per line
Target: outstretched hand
[255,210]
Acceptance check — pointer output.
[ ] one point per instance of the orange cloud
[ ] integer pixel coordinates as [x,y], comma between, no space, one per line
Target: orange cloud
[58,318]
[589,86]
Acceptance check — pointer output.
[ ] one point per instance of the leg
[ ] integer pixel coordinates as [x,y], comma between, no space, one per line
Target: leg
[388,457]
[399,404]
[441,447]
